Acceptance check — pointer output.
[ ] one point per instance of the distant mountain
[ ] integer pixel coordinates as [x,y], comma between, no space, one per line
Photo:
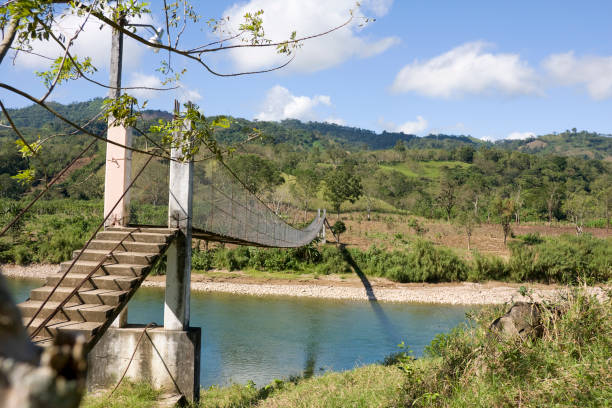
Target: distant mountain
[34,120]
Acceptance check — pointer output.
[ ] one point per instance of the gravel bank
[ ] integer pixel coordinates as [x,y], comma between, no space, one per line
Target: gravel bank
[465,293]
[461,294]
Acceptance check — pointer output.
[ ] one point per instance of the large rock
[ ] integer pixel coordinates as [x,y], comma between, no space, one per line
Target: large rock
[522,320]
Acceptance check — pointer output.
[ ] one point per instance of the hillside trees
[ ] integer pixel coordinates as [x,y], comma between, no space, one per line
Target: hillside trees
[448,190]
[259,175]
[306,186]
[602,188]
[504,209]
[342,185]
[578,206]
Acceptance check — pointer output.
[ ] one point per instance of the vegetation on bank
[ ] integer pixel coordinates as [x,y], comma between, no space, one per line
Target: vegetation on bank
[471,366]
[566,259]
[53,229]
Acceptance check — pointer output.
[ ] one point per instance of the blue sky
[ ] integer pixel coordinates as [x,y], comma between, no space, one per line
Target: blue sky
[487,69]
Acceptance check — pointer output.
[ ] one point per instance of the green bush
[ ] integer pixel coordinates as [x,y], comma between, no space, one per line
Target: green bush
[202,260]
[572,258]
[567,259]
[331,262]
[485,268]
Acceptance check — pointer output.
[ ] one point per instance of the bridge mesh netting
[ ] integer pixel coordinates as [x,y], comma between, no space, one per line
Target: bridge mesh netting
[223,209]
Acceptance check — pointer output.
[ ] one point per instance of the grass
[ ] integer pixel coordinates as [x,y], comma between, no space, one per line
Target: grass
[128,394]
[471,366]
[427,169]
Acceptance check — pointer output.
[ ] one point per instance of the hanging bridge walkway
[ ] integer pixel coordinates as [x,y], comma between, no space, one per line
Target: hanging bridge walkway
[92,289]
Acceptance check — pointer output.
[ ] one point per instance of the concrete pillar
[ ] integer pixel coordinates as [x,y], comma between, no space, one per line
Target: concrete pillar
[118,159]
[178,272]
[323,228]
[167,359]
[117,177]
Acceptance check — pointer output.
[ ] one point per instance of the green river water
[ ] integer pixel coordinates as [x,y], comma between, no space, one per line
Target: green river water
[262,338]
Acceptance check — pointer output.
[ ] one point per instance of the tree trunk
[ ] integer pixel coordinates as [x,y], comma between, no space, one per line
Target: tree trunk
[9,36]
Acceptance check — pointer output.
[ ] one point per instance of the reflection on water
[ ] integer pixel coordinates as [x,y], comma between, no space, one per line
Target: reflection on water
[262,338]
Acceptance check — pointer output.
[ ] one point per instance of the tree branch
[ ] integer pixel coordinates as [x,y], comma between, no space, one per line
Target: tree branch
[5,45]
[74,125]
[10,120]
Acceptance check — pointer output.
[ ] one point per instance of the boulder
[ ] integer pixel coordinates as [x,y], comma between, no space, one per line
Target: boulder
[522,320]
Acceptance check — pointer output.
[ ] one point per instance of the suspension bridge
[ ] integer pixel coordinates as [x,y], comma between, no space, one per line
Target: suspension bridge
[205,200]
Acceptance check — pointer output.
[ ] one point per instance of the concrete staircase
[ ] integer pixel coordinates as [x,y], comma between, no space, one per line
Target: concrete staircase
[101,298]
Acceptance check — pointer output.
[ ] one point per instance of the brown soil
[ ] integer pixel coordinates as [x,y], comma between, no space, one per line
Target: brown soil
[392,231]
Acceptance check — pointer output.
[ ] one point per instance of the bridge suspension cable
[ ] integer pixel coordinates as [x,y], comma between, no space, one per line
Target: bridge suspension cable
[224,209]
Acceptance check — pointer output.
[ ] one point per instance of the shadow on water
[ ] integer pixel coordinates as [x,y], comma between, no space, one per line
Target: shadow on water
[312,348]
[391,331]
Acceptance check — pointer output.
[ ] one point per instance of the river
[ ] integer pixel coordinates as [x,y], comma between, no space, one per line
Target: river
[263,338]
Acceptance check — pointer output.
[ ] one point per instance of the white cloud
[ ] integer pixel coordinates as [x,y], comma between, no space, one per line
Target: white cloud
[410,128]
[308,17]
[91,42]
[282,104]
[594,73]
[185,94]
[467,69]
[520,135]
[150,81]
[182,93]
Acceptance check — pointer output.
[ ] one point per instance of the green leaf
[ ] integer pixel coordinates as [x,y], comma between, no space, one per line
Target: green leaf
[24,176]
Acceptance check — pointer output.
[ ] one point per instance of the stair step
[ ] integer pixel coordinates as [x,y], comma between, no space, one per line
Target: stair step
[84,295]
[102,295]
[122,269]
[152,230]
[78,312]
[112,282]
[110,235]
[127,246]
[137,258]
[43,341]
[87,329]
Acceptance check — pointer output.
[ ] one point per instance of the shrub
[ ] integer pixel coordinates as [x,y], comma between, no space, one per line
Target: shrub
[485,268]
[431,264]
[202,260]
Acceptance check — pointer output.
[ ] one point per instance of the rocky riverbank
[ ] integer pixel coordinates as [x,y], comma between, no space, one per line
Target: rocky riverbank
[334,287]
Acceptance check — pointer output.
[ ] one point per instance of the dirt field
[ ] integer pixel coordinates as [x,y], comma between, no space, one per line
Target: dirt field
[392,231]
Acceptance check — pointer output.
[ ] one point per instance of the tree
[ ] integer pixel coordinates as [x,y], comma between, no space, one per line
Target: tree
[578,206]
[551,191]
[259,175]
[447,192]
[338,228]
[306,186]
[602,188]
[341,186]
[467,221]
[504,209]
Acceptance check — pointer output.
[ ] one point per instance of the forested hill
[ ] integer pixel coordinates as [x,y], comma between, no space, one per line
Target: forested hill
[35,120]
